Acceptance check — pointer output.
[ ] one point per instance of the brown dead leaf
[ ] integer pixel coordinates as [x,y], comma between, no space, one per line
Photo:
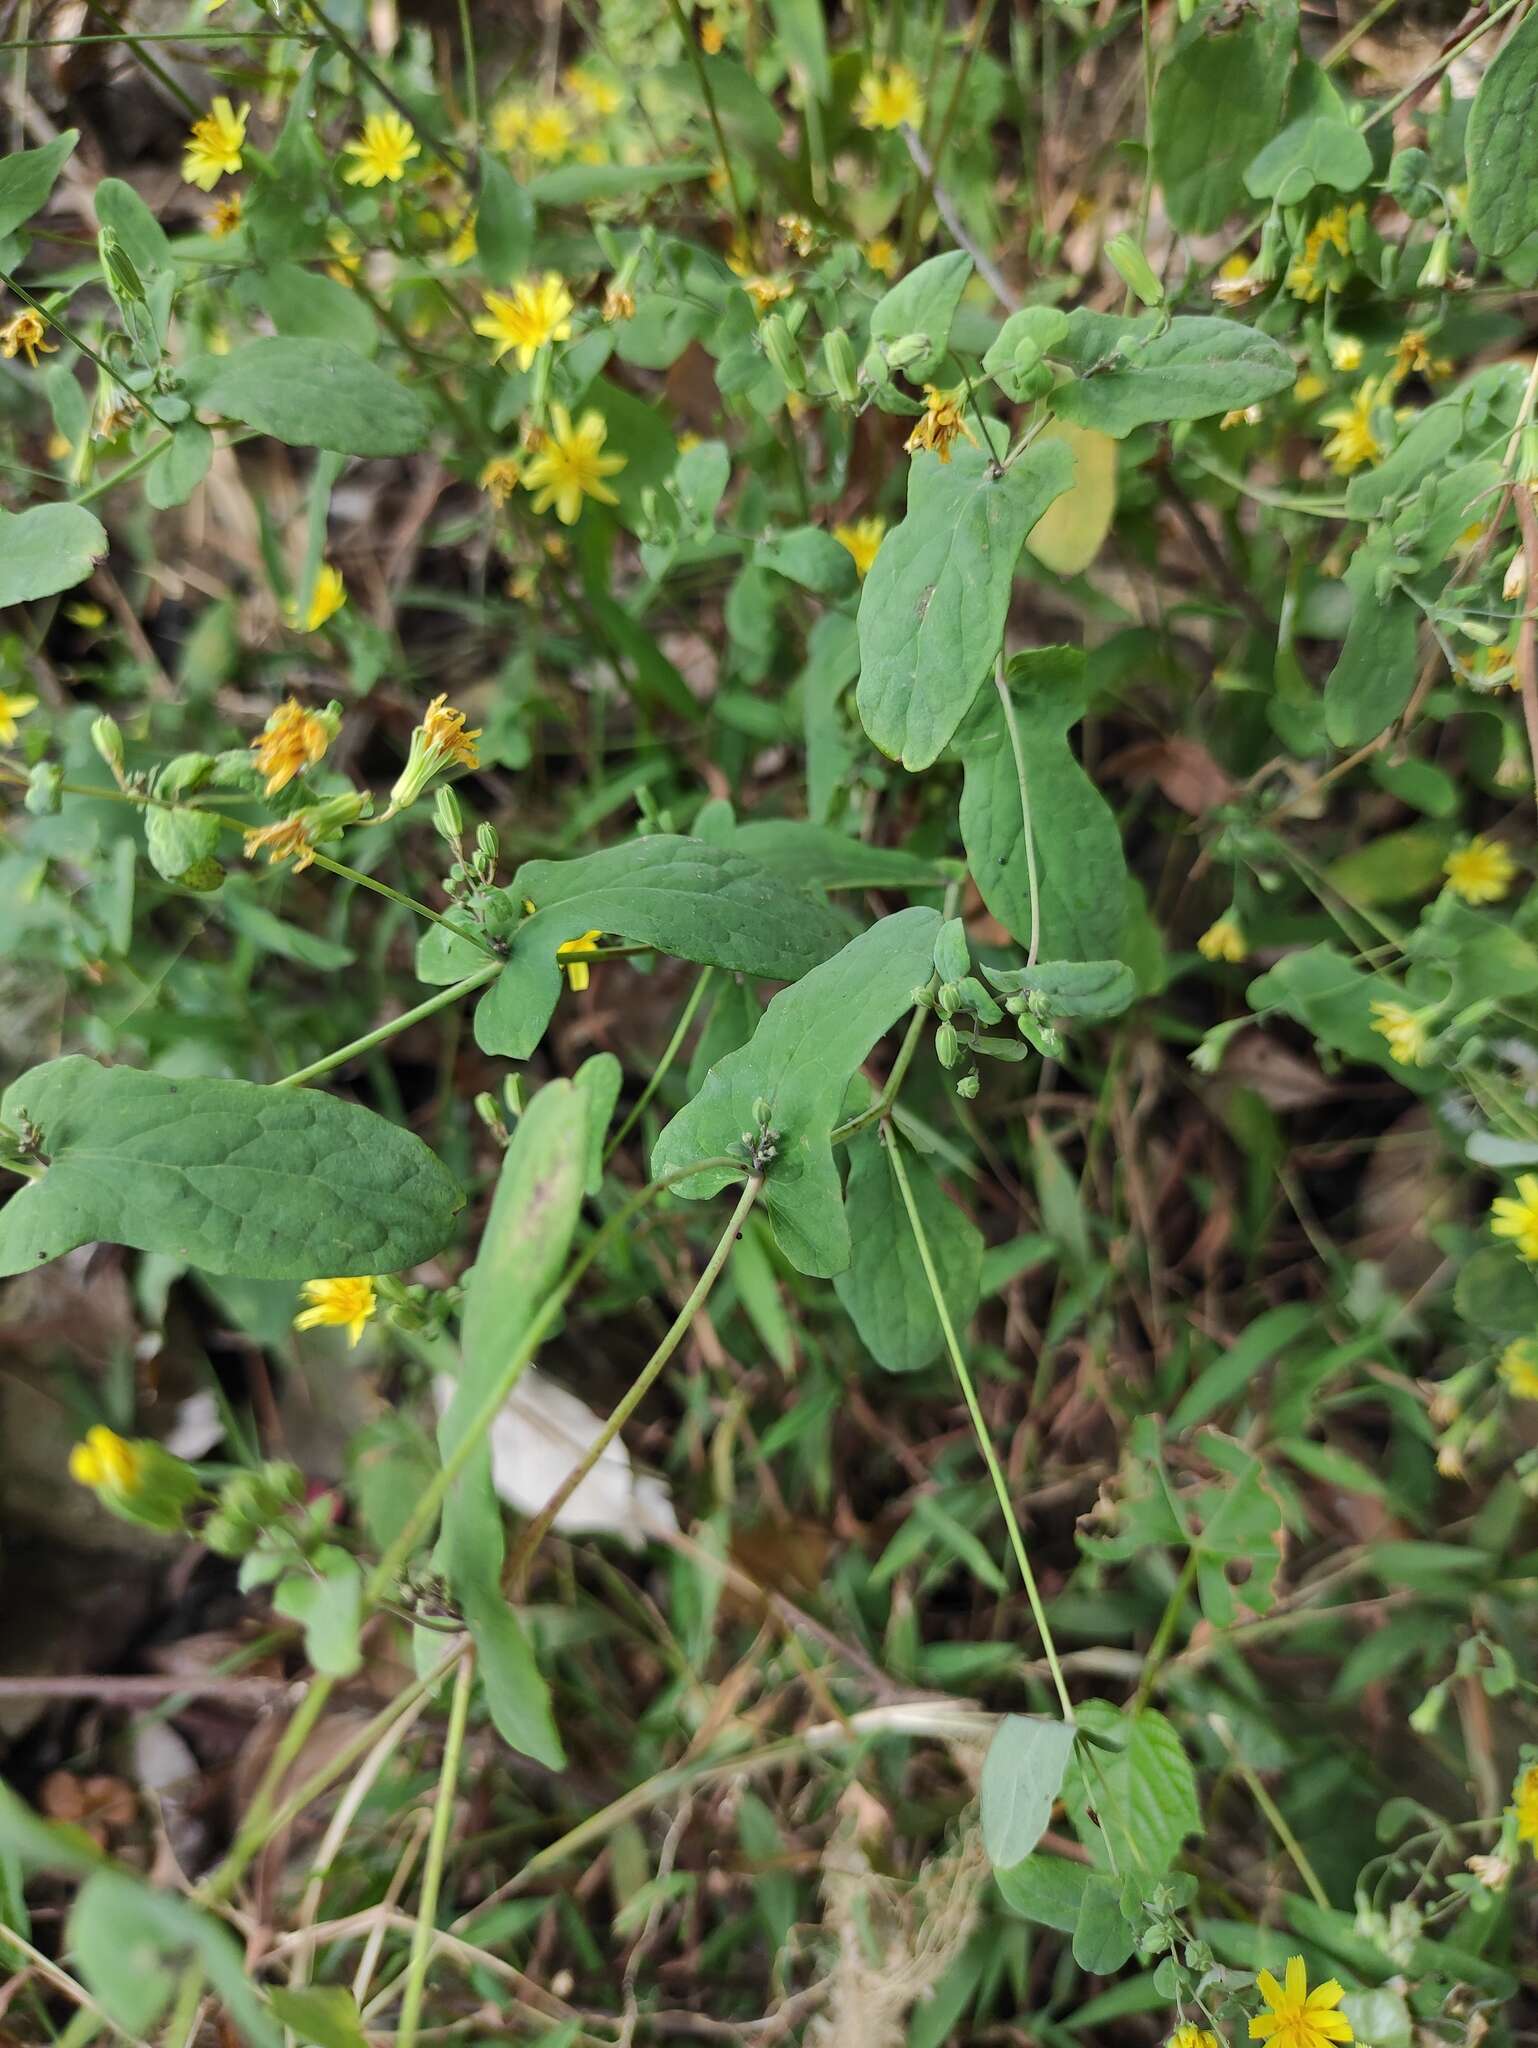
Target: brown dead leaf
[1185,772]
[1283,1079]
[98,1804]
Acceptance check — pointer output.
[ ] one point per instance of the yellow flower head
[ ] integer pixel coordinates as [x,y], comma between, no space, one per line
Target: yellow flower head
[1310,385]
[106,1462]
[326,599]
[888,99]
[880,253]
[347,256]
[24,335]
[1489,668]
[712,38]
[862,538]
[1354,442]
[439,742]
[1405,1031]
[1413,357]
[289,839]
[509,124]
[382,151]
[596,94]
[14,705]
[550,133]
[224,216]
[1223,940]
[941,423]
[1516,1216]
[577,971]
[1519,1368]
[798,231]
[292,740]
[462,246]
[1332,231]
[1480,872]
[499,479]
[1524,1796]
[212,149]
[570,465]
[535,312]
[1189,2035]
[1298,2017]
[1346,353]
[767,291]
[340,1304]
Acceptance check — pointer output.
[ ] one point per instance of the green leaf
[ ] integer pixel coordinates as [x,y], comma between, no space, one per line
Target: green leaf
[180,466]
[1102,1935]
[1371,682]
[130,1945]
[1022,1776]
[47,548]
[884,1292]
[1073,529]
[1046,1889]
[1143,1794]
[923,303]
[1082,874]
[808,556]
[599,1077]
[1332,997]
[522,1253]
[1497,1293]
[698,902]
[1132,374]
[803,37]
[322,2015]
[181,844]
[1391,868]
[43,1844]
[306,303]
[1502,143]
[327,1602]
[581,184]
[119,207]
[504,223]
[1070,988]
[271,1183]
[818,857]
[27,177]
[1319,149]
[808,1043]
[1218,101]
[313,394]
[933,607]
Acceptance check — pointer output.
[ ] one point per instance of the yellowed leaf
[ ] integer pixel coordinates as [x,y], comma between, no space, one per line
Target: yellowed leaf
[1070,533]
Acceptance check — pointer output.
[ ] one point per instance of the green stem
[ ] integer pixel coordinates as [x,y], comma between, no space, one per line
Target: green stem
[1277,1818]
[708,93]
[370,1039]
[75,342]
[259,1824]
[450,159]
[437,1846]
[659,1072]
[336,867]
[1444,59]
[539,1528]
[1001,683]
[156,70]
[541,1322]
[883,1102]
[174,35]
[1158,1649]
[467,37]
[990,1459]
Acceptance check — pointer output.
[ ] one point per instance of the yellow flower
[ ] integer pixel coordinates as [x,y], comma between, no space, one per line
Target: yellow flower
[326,599]
[439,742]
[14,704]
[1412,357]
[767,291]
[1346,353]
[1310,385]
[292,740]
[1237,286]
[1516,1216]
[462,248]
[212,149]
[595,93]
[535,312]
[1354,441]
[571,466]
[1189,2035]
[1223,940]
[888,99]
[1331,231]
[712,38]
[1480,872]
[509,124]
[1525,1797]
[83,613]
[289,839]
[550,133]
[224,216]
[798,232]
[499,479]
[862,538]
[344,248]
[106,1461]
[881,254]
[24,336]
[577,971]
[340,1304]
[941,423]
[1519,1368]
[1241,416]
[1404,1029]
[1299,2018]
[1490,668]
[383,150]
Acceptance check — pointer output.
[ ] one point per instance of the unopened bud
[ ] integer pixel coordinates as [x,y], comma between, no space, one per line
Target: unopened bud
[122,275]
[447,815]
[1134,269]
[947,1046]
[907,349]
[781,351]
[1515,579]
[487,844]
[107,739]
[491,1116]
[968,1086]
[838,359]
[1437,265]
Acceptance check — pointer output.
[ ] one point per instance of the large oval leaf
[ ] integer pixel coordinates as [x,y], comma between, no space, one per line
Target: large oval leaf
[47,548]
[314,394]
[1133,373]
[885,1292]
[270,1183]
[1503,147]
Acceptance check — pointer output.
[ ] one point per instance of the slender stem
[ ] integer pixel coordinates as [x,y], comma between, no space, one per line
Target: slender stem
[883,1102]
[1435,69]
[1276,1817]
[697,60]
[156,70]
[1158,1649]
[1032,881]
[670,1053]
[258,1824]
[539,1528]
[1342,47]
[467,37]
[450,159]
[990,1459]
[75,342]
[174,35]
[437,1846]
[540,1323]
[337,867]
[396,1025]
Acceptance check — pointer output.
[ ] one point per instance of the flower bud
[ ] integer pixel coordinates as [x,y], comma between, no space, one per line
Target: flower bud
[968,1086]
[1515,580]
[781,350]
[1134,269]
[447,816]
[1435,270]
[908,348]
[135,1480]
[107,739]
[487,844]
[947,1045]
[838,359]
